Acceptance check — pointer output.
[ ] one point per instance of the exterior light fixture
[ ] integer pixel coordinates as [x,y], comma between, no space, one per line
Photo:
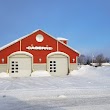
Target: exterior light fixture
[73,59]
[3,60]
[40,59]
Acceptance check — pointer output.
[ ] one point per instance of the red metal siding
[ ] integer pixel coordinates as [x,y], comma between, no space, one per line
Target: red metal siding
[68,51]
[31,40]
[9,50]
[64,41]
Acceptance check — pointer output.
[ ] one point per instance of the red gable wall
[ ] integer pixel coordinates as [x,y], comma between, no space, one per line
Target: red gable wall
[31,40]
[7,51]
[68,51]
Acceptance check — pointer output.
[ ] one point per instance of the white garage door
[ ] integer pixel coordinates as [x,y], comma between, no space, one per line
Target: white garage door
[58,66]
[20,66]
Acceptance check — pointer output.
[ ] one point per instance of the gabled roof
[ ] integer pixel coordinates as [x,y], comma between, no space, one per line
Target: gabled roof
[11,43]
[17,40]
[62,43]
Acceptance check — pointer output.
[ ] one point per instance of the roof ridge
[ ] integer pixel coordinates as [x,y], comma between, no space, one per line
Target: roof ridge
[61,42]
[11,43]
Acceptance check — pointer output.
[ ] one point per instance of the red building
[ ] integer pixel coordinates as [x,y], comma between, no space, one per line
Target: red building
[38,51]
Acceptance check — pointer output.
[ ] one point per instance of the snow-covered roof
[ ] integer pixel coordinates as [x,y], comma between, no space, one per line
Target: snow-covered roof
[105,64]
[62,42]
[7,45]
[4,74]
[40,73]
[11,43]
[61,38]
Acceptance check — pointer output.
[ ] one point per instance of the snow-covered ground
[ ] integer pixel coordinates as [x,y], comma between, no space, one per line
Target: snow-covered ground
[40,74]
[4,74]
[85,89]
[87,71]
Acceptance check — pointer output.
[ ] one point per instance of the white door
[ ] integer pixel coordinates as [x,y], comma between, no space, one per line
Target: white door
[20,66]
[58,66]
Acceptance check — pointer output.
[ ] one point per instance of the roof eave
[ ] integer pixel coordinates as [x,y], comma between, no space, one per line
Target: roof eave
[17,40]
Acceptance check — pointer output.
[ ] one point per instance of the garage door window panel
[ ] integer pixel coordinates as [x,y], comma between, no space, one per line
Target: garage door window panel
[52,66]
[14,67]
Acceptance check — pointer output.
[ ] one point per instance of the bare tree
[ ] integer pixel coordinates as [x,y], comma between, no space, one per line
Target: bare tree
[100,59]
[106,60]
[88,60]
[82,59]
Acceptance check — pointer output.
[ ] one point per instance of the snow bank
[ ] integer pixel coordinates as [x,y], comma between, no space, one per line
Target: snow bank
[3,74]
[91,71]
[40,74]
[105,64]
[83,70]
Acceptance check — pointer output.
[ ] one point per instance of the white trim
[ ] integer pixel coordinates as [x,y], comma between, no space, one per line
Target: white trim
[20,52]
[59,53]
[32,33]
[61,42]
[55,53]
[15,41]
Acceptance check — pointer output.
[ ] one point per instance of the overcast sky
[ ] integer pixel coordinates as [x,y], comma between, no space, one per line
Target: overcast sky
[85,23]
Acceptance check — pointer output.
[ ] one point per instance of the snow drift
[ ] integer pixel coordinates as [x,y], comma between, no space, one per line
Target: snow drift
[87,70]
[84,70]
[3,74]
[40,74]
